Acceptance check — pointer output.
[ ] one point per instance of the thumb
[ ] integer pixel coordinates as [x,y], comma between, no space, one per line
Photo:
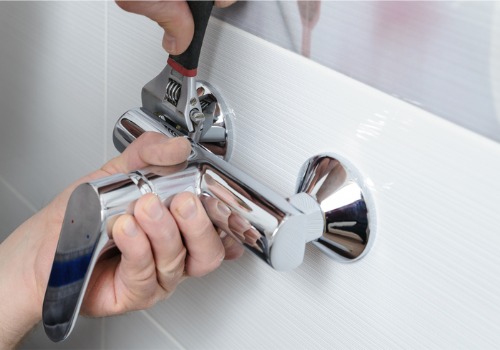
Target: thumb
[173,16]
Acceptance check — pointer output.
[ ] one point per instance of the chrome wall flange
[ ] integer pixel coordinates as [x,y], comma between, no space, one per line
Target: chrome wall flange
[347,207]
[219,137]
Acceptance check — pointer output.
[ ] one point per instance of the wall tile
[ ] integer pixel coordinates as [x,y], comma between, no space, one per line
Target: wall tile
[245,305]
[51,93]
[86,335]
[438,56]
[135,56]
[14,211]
[136,331]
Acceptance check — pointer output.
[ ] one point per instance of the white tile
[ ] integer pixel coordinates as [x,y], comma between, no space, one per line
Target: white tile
[135,56]
[51,93]
[244,305]
[15,210]
[439,56]
[86,335]
[136,330]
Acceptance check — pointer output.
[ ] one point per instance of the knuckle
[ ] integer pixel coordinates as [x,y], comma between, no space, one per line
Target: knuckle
[205,228]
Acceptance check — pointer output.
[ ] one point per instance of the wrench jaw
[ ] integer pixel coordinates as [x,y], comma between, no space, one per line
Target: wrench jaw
[189,106]
[174,95]
[204,119]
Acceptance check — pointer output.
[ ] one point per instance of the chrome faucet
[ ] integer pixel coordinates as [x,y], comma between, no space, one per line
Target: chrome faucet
[328,209]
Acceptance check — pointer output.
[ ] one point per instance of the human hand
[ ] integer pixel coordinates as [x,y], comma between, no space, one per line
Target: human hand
[159,247]
[173,16]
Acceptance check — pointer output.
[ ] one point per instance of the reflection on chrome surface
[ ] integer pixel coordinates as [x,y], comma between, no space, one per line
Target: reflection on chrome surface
[347,229]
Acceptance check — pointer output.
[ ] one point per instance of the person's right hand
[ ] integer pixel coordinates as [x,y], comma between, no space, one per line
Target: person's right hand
[173,16]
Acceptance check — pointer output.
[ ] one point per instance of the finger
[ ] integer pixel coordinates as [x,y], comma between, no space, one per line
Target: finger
[224,3]
[217,211]
[173,16]
[135,279]
[251,236]
[166,242]
[204,247]
[150,148]
[238,224]
[168,151]
[232,247]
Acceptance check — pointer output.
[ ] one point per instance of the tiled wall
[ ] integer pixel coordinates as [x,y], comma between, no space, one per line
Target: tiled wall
[52,97]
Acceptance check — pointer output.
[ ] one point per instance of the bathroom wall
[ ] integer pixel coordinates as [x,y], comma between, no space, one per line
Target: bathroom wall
[69,69]
[437,55]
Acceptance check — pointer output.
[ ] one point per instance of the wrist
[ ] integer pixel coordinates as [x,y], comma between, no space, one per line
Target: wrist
[23,286]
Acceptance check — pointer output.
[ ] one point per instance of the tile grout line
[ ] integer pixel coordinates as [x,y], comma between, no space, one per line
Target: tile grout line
[105,111]
[105,124]
[23,199]
[162,330]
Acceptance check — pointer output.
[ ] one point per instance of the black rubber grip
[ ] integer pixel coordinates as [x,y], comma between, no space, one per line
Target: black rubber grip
[201,11]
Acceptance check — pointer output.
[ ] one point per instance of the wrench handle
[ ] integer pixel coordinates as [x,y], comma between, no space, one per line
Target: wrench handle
[187,62]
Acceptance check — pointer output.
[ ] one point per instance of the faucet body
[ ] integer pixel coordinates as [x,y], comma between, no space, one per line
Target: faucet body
[207,175]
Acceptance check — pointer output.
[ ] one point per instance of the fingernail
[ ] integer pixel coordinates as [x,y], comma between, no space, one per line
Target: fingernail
[253,234]
[223,209]
[154,208]
[169,43]
[188,209]
[222,234]
[222,3]
[130,228]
